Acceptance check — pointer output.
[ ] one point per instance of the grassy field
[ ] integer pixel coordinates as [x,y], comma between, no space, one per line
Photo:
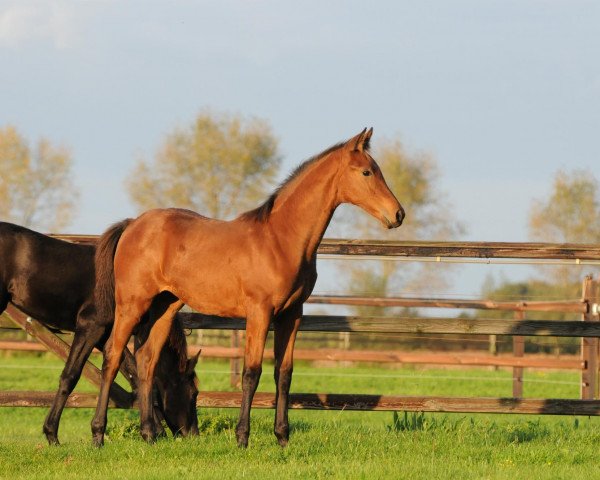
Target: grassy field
[323,444]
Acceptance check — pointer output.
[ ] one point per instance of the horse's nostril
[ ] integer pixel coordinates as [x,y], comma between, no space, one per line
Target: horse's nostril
[400,216]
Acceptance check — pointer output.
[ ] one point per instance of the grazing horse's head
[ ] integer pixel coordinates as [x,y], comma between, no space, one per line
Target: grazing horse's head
[361,182]
[178,395]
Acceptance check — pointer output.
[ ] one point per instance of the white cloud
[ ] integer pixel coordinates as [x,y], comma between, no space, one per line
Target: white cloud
[22,23]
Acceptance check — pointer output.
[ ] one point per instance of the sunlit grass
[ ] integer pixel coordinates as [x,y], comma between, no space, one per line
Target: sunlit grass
[330,444]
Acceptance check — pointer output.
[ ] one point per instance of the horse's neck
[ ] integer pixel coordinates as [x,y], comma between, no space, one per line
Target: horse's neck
[303,210]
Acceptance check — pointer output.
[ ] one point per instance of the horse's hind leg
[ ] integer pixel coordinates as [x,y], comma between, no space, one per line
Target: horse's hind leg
[163,310]
[87,335]
[286,328]
[126,318]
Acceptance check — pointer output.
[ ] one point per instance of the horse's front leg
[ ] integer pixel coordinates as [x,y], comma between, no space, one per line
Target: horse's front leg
[257,326]
[147,357]
[286,328]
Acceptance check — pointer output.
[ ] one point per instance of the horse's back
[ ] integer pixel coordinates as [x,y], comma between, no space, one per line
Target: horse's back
[215,266]
[168,226]
[46,278]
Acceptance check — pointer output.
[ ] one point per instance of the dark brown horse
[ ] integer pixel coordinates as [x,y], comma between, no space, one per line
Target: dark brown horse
[260,266]
[53,281]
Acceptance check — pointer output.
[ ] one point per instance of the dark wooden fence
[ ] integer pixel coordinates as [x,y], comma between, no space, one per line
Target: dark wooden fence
[588,330]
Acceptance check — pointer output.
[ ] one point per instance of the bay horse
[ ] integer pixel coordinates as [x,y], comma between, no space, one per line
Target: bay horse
[260,266]
[52,281]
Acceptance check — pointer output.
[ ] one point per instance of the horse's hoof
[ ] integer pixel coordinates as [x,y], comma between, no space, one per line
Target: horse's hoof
[98,441]
[282,434]
[52,437]
[283,442]
[53,441]
[242,442]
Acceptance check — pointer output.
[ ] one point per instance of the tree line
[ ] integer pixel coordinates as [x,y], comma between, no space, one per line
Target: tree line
[223,164]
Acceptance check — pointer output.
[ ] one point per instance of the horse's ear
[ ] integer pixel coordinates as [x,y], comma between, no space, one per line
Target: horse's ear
[357,142]
[367,139]
[192,362]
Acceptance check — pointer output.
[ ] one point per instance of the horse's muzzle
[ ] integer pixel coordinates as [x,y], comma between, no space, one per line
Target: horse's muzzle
[399,219]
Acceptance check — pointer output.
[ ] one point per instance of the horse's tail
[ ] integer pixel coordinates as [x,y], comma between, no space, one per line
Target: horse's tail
[104,292]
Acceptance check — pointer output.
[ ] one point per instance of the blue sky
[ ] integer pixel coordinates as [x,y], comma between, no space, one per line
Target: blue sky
[502,93]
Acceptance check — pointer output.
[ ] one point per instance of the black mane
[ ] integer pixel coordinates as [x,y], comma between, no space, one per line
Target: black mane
[261,213]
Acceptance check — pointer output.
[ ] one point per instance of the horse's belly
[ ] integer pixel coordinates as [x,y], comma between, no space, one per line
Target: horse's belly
[48,312]
[219,310]
[224,302]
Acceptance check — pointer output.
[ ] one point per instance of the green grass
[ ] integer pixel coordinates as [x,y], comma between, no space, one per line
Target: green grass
[323,444]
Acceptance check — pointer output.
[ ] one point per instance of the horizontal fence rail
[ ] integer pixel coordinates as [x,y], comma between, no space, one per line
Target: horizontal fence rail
[416,325]
[566,251]
[333,246]
[329,401]
[413,325]
[382,356]
[566,306]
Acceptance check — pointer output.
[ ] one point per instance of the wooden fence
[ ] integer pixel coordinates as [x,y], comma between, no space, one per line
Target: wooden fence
[588,329]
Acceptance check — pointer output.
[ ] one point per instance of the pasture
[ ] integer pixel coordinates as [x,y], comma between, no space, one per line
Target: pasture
[323,444]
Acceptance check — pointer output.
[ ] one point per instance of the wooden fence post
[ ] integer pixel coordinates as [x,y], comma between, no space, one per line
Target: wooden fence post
[493,344]
[594,313]
[589,346]
[518,351]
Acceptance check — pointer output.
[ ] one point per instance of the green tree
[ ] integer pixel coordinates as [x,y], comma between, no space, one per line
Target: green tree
[414,179]
[220,165]
[36,187]
[571,214]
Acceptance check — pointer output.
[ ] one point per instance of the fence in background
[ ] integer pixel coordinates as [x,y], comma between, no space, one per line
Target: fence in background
[517,327]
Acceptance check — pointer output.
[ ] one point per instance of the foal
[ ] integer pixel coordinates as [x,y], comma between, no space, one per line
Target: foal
[53,281]
[260,266]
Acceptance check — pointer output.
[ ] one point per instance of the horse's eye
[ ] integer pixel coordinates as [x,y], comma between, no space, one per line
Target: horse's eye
[366,173]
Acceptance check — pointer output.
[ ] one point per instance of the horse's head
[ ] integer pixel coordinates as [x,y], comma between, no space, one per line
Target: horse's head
[361,182]
[178,395]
